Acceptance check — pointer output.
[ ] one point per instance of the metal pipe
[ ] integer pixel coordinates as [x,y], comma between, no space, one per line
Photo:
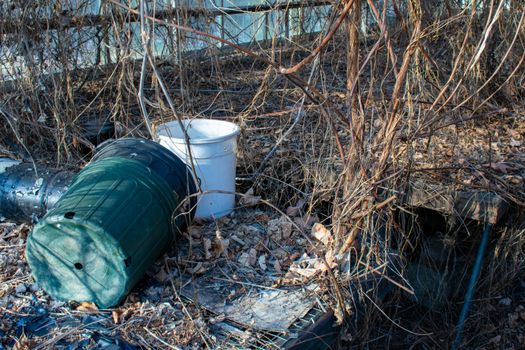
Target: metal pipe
[26,196]
[472,285]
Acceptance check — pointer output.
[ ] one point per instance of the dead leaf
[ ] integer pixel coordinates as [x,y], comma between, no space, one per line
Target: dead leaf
[195,231]
[339,316]
[516,180]
[199,268]
[302,271]
[86,306]
[514,134]
[306,268]
[296,209]
[221,245]
[244,259]
[21,231]
[322,234]
[306,220]
[515,143]
[252,254]
[294,256]
[161,276]
[116,315]
[286,227]
[261,217]
[495,340]
[207,247]
[280,253]
[262,262]
[277,266]
[249,199]
[23,343]
[501,167]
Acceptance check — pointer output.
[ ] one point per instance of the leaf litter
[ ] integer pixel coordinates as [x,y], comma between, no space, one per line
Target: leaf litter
[240,269]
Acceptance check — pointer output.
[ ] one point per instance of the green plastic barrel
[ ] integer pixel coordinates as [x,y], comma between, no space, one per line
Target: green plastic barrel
[114,221]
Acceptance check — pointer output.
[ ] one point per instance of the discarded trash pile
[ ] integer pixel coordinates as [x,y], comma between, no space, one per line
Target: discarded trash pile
[242,280]
[225,279]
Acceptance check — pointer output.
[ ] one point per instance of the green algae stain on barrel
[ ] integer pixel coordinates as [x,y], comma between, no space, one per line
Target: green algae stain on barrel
[106,230]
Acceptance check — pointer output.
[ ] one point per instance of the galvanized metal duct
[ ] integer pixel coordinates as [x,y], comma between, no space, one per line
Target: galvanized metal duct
[27,193]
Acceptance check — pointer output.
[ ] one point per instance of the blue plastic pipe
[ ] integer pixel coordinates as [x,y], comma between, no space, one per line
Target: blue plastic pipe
[472,285]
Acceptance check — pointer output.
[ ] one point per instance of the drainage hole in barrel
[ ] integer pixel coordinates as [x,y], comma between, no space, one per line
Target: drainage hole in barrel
[78,266]
[69,215]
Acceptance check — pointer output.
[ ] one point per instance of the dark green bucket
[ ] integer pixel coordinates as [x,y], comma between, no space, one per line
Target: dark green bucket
[114,221]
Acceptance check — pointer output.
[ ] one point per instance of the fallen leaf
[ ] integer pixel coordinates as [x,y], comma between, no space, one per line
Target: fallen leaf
[244,259]
[23,343]
[249,199]
[221,244]
[207,247]
[501,167]
[514,134]
[302,271]
[515,143]
[306,220]
[286,227]
[87,307]
[296,209]
[277,266]
[516,180]
[115,314]
[161,276]
[22,231]
[495,340]
[199,268]
[252,254]
[261,217]
[262,262]
[195,231]
[322,234]
[338,313]
[294,256]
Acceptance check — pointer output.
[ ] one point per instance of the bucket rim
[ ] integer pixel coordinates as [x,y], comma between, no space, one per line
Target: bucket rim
[162,128]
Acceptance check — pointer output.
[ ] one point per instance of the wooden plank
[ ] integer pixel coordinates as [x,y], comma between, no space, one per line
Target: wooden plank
[478,205]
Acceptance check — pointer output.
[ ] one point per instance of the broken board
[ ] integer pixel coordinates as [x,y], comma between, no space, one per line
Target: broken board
[477,205]
[255,307]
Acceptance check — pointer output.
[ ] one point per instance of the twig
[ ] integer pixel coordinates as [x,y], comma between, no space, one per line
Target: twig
[161,340]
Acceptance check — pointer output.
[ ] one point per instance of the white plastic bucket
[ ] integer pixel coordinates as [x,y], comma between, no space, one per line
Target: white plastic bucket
[213,145]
